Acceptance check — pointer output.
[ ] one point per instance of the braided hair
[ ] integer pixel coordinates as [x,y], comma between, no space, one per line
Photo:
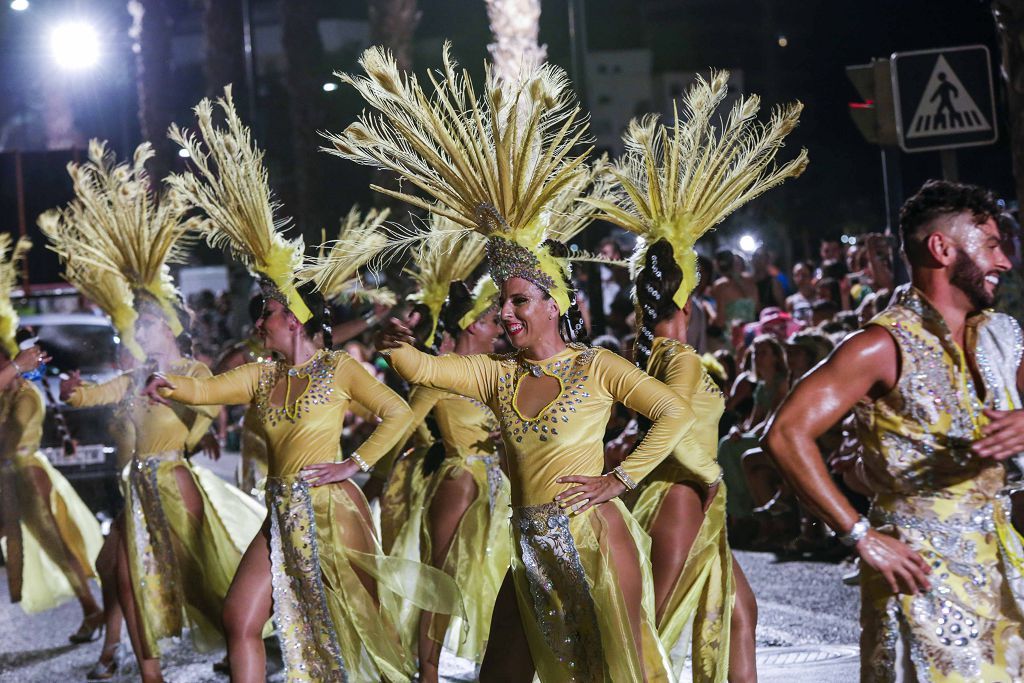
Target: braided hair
[570,323]
[656,284]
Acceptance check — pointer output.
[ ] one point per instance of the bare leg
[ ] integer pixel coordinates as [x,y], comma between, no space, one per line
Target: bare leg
[149,667]
[106,567]
[508,657]
[626,559]
[450,502]
[246,609]
[673,532]
[91,610]
[743,642]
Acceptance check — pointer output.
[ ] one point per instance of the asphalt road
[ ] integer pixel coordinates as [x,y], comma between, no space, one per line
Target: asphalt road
[807,630]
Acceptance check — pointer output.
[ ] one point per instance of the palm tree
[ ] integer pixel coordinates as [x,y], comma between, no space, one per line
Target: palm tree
[516,28]
[151,33]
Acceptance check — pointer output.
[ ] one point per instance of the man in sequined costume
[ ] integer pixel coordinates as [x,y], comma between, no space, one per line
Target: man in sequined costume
[933,381]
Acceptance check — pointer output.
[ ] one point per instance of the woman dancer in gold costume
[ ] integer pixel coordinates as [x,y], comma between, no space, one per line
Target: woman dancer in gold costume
[316,566]
[583,581]
[52,538]
[676,183]
[183,528]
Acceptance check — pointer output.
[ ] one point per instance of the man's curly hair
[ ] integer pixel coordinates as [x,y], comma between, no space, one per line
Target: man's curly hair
[938,198]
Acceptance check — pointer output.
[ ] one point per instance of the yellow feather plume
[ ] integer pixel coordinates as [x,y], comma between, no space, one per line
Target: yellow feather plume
[11,256]
[116,224]
[450,255]
[106,288]
[493,162]
[676,183]
[335,269]
[232,188]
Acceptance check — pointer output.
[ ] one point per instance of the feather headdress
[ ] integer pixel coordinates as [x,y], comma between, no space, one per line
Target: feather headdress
[492,163]
[450,254]
[107,289]
[11,255]
[335,270]
[117,225]
[232,188]
[677,183]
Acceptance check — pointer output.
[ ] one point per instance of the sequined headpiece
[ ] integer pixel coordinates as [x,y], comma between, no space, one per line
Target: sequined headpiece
[678,182]
[234,193]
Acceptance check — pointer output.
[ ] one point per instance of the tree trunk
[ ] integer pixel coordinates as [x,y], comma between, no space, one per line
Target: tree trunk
[393,24]
[224,52]
[516,28]
[304,67]
[1009,18]
[151,44]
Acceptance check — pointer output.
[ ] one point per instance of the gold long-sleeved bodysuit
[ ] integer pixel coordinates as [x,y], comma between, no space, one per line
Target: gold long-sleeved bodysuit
[43,537]
[480,551]
[704,591]
[566,569]
[180,567]
[322,540]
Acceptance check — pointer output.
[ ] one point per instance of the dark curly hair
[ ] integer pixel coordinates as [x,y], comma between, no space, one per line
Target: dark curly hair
[570,323]
[938,198]
[656,284]
[319,323]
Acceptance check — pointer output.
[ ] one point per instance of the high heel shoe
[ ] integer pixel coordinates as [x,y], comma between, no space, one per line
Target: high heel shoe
[101,671]
[90,630]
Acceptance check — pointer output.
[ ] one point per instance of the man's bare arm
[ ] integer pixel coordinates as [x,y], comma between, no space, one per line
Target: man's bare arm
[866,364]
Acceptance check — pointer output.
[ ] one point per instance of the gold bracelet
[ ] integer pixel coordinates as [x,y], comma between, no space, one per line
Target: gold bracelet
[359,461]
[621,475]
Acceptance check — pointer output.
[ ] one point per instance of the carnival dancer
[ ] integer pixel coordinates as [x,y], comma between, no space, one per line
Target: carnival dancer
[51,537]
[184,529]
[583,581]
[457,514]
[316,566]
[933,381]
[675,183]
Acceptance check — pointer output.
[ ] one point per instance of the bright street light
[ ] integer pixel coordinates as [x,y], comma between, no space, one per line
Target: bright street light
[183,153]
[748,244]
[19,5]
[75,45]
[330,87]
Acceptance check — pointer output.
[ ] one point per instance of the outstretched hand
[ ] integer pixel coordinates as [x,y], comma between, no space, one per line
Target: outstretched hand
[154,384]
[394,332]
[590,492]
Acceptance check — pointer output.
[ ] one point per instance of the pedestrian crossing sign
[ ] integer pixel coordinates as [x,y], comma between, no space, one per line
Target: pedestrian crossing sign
[944,98]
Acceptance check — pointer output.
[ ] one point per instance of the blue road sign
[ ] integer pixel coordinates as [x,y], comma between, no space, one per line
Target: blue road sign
[944,98]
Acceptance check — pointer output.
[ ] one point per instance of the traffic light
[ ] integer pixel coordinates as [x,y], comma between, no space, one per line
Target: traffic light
[875,116]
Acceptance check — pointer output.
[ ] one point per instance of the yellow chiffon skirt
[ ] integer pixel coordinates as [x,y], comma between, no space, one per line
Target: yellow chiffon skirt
[478,557]
[402,497]
[336,595]
[181,566]
[252,465]
[45,537]
[567,583]
[699,606]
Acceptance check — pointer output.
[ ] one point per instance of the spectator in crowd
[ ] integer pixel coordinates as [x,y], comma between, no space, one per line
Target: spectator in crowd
[769,290]
[735,295]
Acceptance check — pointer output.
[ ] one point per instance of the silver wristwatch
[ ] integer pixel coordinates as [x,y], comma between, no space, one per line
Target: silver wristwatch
[858,531]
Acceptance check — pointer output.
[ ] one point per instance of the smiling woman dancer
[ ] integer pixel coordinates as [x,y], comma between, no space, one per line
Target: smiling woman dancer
[676,183]
[316,566]
[52,538]
[583,582]
[183,526]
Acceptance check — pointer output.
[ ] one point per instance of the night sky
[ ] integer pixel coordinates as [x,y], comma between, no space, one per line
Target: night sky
[840,192]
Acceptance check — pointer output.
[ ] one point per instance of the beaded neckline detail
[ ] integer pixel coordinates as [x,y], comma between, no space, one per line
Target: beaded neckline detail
[319,371]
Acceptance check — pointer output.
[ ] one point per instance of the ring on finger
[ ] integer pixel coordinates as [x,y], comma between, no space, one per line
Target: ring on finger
[577,506]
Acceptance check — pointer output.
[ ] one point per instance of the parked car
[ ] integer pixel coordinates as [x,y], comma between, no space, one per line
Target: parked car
[84,452]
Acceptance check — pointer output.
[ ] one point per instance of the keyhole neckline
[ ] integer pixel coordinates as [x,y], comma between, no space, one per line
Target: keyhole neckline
[547,407]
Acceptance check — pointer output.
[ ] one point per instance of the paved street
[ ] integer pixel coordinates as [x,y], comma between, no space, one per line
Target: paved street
[807,629]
